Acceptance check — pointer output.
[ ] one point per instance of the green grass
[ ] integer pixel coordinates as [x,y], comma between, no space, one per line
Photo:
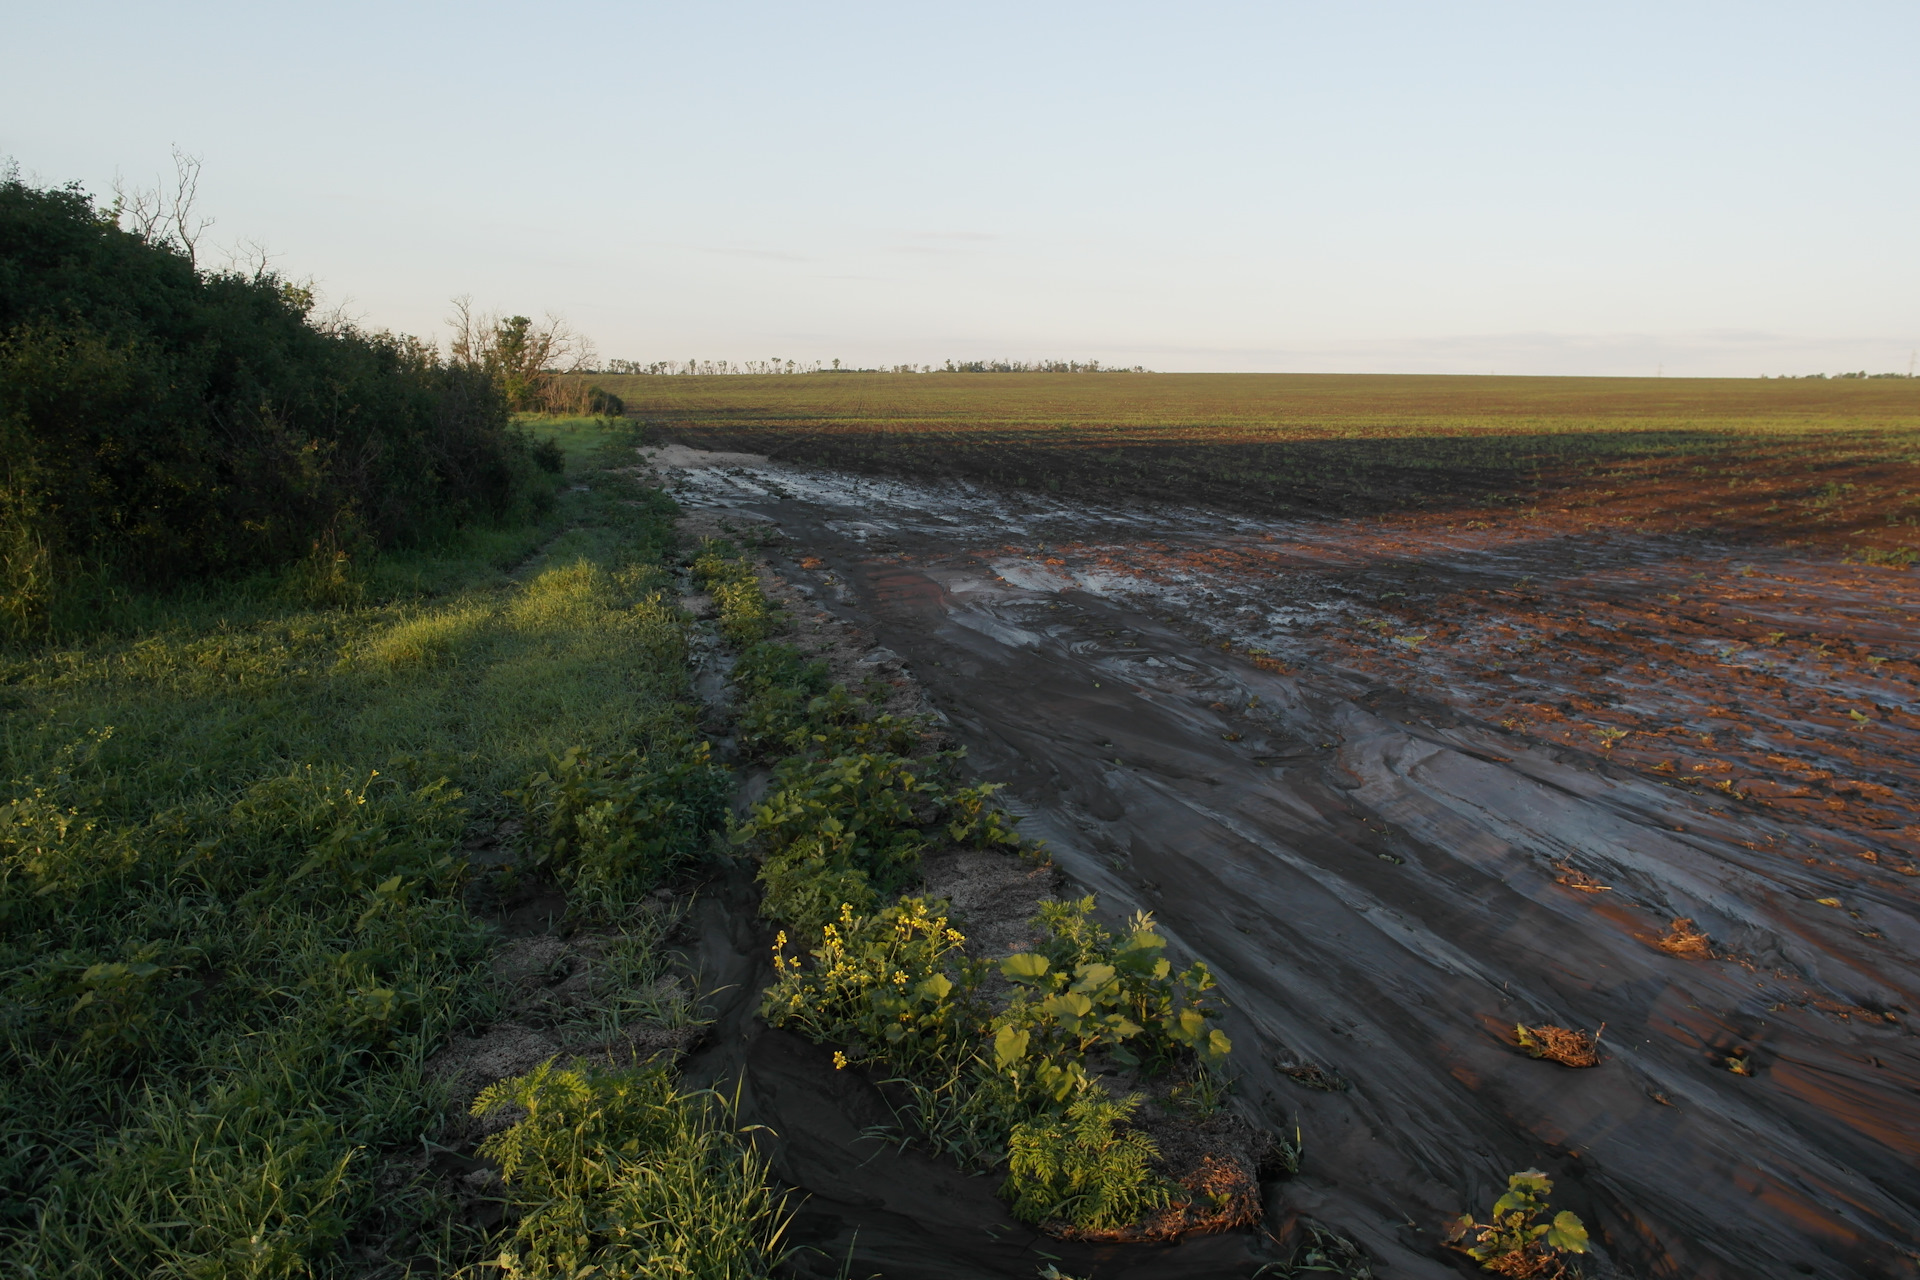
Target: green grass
[232,927]
[1273,406]
[619,1174]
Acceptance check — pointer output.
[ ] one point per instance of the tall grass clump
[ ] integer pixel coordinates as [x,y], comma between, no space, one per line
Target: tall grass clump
[615,1173]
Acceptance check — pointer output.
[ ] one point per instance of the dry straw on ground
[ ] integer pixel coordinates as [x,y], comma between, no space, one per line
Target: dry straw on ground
[1560,1044]
[1682,939]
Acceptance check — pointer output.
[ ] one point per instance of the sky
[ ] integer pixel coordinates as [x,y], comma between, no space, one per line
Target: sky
[1689,189]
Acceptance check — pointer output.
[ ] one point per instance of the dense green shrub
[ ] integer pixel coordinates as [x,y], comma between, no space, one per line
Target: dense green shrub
[159,422]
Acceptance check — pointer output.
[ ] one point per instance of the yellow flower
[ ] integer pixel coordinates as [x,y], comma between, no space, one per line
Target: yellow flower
[839,1060]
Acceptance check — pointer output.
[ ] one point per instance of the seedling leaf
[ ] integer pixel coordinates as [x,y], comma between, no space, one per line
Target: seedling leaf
[1025,967]
[1567,1232]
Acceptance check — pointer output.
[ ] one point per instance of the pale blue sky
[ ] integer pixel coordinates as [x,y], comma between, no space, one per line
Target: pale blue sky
[1540,188]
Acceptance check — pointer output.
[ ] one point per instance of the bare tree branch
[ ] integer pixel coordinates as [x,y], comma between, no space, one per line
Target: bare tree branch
[188,225]
[162,217]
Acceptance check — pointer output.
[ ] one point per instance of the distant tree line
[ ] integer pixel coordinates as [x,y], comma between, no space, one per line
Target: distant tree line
[729,368]
[160,422]
[1790,377]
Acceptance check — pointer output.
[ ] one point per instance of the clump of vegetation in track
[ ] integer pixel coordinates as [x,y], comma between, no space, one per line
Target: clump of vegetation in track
[997,1060]
[235,894]
[1516,1242]
[617,1173]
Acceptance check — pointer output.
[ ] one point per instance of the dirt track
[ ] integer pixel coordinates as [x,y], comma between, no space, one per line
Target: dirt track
[1386,880]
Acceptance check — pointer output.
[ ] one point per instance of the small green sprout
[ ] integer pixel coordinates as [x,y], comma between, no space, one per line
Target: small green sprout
[1516,1243]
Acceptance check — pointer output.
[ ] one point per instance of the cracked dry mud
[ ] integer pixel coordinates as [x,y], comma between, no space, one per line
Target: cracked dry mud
[1403,786]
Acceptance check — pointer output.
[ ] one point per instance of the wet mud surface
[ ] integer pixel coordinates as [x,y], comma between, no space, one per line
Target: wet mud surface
[1403,787]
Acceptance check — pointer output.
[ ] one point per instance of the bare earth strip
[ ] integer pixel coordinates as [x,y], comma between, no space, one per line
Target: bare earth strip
[1405,786]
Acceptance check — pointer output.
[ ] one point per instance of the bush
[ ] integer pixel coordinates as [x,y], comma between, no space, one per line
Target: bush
[160,423]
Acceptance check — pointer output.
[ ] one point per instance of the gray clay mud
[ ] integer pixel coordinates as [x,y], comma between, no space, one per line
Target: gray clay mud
[1387,870]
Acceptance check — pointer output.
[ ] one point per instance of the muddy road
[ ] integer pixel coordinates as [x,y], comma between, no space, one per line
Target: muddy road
[1404,786]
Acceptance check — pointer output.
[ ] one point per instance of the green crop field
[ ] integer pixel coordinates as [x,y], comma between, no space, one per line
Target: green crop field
[1821,457]
[1289,406]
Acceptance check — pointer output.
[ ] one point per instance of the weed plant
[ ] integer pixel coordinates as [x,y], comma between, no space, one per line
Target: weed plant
[746,615]
[615,1173]
[1088,991]
[613,827]
[1515,1242]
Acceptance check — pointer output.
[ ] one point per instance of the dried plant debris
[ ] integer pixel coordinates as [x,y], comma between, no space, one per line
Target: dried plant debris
[1574,878]
[1314,1076]
[1682,939]
[1739,1061]
[1319,1250]
[1560,1044]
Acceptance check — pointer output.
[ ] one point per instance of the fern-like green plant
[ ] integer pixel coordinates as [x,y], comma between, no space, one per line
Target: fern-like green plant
[1084,1169]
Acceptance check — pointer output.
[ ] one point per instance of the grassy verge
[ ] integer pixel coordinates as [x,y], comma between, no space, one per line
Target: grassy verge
[233,925]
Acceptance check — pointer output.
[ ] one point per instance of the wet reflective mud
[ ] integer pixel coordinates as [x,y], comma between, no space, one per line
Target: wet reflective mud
[1403,787]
